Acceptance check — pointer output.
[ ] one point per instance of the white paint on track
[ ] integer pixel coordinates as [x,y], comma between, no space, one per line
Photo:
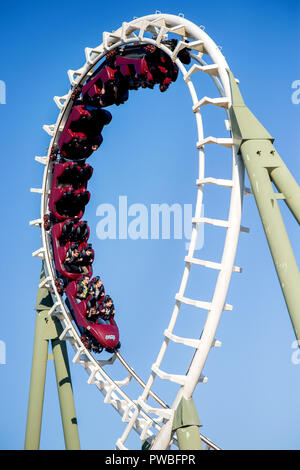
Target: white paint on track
[155,423]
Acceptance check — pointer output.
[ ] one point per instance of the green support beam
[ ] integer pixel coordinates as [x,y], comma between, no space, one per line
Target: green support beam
[264,167]
[286,184]
[37,384]
[65,392]
[186,424]
[47,329]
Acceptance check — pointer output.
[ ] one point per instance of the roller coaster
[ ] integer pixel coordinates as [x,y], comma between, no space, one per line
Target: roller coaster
[146,52]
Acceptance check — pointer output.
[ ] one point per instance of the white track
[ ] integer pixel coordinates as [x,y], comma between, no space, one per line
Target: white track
[155,423]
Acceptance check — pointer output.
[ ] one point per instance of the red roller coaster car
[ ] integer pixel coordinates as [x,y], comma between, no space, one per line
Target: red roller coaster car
[97,335]
[123,69]
[67,202]
[60,251]
[82,131]
[71,174]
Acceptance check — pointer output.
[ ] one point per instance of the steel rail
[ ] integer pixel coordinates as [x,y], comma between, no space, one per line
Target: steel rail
[156,398]
[126,35]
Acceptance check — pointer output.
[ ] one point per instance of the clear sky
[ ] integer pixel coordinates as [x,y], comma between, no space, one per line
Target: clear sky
[251,399]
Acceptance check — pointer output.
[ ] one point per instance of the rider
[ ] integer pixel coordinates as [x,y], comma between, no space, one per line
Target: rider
[86,255]
[107,309]
[74,260]
[97,289]
[82,288]
[92,311]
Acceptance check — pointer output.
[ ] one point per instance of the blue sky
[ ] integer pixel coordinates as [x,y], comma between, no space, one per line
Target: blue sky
[251,400]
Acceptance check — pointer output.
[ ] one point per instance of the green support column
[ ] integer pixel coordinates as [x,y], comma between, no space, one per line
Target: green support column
[37,384]
[65,392]
[265,166]
[286,184]
[49,329]
[186,424]
[258,156]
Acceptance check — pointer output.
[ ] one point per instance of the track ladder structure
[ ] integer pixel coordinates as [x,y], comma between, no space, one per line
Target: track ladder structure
[155,424]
